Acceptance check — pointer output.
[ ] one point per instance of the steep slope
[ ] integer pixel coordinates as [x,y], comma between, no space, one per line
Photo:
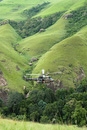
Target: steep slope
[67,57]
[61,5]
[10,9]
[42,42]
[11,63]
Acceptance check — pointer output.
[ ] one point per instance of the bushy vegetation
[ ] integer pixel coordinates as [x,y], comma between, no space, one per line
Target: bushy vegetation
[34,25]
[45,106]
[77,21]
[34,10]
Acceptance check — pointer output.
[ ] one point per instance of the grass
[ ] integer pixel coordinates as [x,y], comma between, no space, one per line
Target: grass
[42,42]
[55,52]
[16,125]
[61,5]
[69,55]
[10,9]
[64,52]
[11,58]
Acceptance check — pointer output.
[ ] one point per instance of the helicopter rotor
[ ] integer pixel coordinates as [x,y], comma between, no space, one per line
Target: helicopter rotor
[32,74]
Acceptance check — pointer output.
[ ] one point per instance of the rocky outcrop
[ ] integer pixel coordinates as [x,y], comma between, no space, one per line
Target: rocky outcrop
[3,81]
[33,59]
[80,74]
[66,16]
[30,64]
[42,30]
[4,95]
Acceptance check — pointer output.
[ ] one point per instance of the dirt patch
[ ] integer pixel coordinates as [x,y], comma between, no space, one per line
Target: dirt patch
[80,74]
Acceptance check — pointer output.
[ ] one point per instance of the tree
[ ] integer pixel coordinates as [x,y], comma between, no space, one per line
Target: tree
[68,110]
[83,86]
[42,106]
[1,102]
[79,115]
[49,96]
[13,102]
[34,116]
[44,119]
[61,94]
[52,112]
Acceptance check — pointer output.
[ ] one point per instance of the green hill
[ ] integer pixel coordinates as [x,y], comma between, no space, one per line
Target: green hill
[67,57]
[11,63]
[10,9]
[42,42]
[60,48]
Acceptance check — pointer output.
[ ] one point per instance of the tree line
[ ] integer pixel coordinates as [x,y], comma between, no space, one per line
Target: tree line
[68,106]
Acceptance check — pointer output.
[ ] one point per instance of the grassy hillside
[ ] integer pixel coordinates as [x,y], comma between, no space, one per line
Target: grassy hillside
[69,57]
[65,55]
[13,9]
[42,42]
[11,63]
[61,5]
[13,125]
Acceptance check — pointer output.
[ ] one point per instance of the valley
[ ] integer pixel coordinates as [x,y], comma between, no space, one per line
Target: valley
[49,35]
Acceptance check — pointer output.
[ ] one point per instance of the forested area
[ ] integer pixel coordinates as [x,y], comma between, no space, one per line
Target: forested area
[33,25]
[67,106]
[77,21]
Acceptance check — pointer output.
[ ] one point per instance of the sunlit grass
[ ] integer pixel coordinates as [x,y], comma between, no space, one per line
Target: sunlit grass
[71,51]
[16,125]
[11,58]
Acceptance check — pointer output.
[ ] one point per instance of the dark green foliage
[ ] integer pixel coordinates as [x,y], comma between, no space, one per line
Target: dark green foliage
[1,102]
[77,21]
[79,116]
[34,10]
[34,116]
[33,25]
[43,105]
[44,119]
[14,100]
[49,96]
[5,111]
[68,110]
[63,93]
[83,86]
[52,111]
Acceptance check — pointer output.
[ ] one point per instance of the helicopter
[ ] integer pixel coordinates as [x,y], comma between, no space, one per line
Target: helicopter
[41,79]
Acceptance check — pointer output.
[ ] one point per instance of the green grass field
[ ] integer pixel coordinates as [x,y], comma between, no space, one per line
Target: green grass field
[71,51]
[9,58]
[54,51]
[42,42]
[16,125]
[12,9]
